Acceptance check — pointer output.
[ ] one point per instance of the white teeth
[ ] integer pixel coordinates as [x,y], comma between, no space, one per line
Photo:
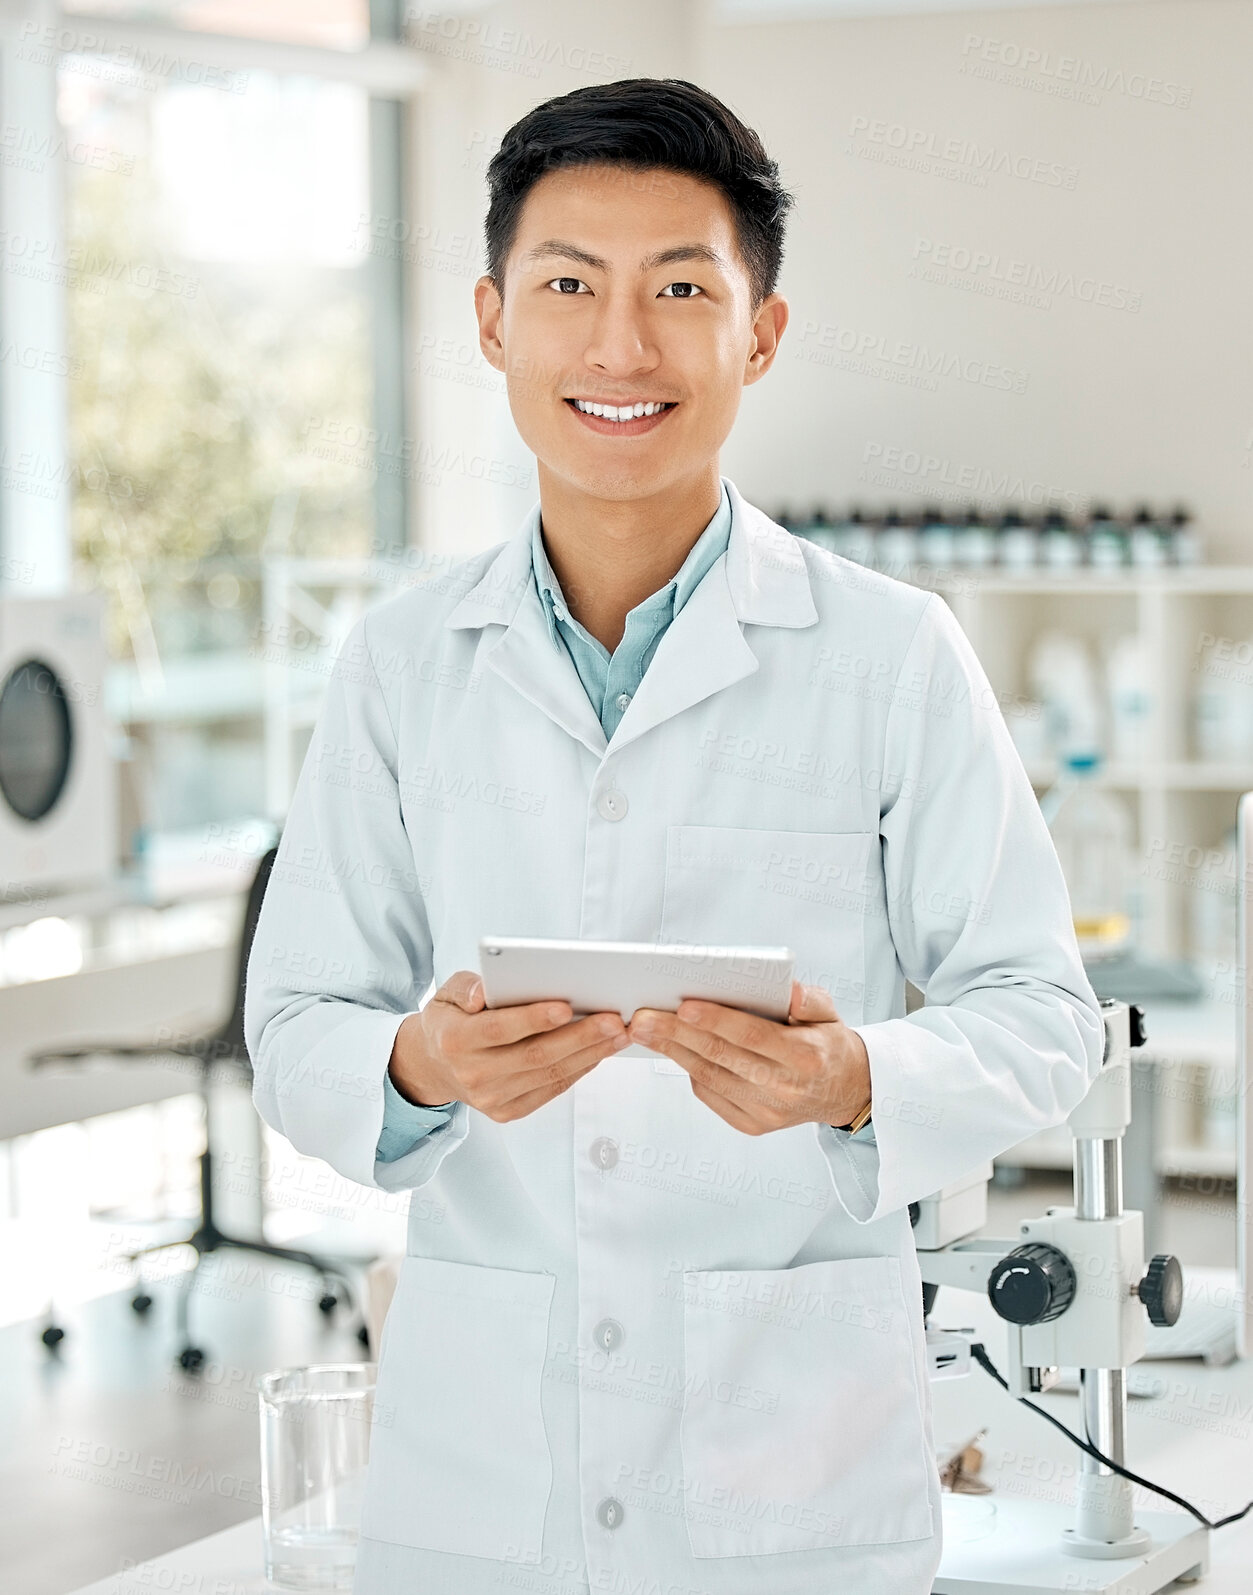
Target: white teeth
[618,412]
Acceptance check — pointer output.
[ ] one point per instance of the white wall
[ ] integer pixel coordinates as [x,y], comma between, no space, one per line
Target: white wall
[1157,401]
[1117,402]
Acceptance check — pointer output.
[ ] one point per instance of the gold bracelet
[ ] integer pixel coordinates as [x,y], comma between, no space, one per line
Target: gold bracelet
[860,1122]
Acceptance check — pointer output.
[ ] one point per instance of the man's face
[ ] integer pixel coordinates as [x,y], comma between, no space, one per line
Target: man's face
[587,314]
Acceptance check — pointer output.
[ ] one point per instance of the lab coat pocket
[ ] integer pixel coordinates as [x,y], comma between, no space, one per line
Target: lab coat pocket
[803,1424]
[807,890]
[459,1457]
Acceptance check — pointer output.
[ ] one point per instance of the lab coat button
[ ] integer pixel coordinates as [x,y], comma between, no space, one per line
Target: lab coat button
[609,1512]
[608,1333]
[611,805]
[603,1152]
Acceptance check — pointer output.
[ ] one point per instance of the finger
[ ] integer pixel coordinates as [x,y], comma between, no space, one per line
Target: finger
[578,1045]
[536,1097]
[747,1036]
[502,1027]
[765,1091]
[785,1067]
[725,1108]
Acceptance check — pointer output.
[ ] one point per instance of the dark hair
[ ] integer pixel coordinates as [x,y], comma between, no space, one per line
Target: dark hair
[637,124]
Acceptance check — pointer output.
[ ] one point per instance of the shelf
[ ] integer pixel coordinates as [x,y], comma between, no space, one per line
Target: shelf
[1180,775]
[994,580]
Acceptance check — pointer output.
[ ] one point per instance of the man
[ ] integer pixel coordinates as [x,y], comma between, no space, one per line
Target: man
[659,1326]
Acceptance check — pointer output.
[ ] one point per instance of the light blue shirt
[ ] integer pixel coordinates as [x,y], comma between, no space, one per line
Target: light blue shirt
[610,682]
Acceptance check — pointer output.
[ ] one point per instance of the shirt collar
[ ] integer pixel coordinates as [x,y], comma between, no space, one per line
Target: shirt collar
[711,542]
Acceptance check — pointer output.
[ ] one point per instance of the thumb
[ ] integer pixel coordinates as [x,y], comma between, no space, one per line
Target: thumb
[465,989]
[811,1004]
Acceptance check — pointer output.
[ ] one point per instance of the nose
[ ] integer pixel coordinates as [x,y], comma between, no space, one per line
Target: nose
[621,345]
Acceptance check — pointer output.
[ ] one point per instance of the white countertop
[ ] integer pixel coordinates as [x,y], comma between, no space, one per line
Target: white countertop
[1177,1442]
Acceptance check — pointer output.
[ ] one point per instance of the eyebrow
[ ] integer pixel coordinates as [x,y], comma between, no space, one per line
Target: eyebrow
[662,257]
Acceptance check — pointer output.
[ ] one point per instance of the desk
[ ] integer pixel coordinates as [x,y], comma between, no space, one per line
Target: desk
[154,976]
[226,1563]
[1175,1443]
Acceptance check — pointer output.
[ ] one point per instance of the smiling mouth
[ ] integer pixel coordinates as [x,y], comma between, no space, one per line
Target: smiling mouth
[621,415]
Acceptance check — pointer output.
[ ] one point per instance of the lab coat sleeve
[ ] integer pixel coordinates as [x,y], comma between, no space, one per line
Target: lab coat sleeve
[342,951]
[1012,1035]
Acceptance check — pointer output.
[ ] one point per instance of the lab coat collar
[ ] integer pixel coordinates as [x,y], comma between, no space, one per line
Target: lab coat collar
[762,580]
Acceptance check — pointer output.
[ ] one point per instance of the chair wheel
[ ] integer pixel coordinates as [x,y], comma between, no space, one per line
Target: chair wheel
[328,1303]
[53,1335]
[191,1359]
[363,1335]
[140,1302]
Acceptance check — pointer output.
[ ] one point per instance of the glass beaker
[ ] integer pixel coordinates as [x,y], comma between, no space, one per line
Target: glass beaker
[315,1443]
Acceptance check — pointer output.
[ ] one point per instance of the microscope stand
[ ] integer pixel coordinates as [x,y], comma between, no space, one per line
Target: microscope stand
[1073,1293]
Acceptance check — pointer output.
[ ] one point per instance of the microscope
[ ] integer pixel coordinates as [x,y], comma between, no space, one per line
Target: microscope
[1074,1291]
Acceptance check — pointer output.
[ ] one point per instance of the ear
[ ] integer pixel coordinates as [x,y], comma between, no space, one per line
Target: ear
[768,327]
[489,308]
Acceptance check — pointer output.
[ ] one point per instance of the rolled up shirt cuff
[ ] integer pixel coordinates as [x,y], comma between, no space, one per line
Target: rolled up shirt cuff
[405,1123]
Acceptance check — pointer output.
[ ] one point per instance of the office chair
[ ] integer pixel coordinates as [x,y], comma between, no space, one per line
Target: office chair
[226,1045]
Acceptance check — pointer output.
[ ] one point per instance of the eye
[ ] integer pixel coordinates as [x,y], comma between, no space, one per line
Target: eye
[691,285]
[576,280]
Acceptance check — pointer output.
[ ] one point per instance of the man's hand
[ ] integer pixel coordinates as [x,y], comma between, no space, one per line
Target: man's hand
[504,1061]
[764,1074]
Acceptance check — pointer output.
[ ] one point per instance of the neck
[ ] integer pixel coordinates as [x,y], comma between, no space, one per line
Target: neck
[611,554]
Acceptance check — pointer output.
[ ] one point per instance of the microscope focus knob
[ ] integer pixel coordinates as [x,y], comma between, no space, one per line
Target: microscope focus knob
[1033,1284]
[1161,1290]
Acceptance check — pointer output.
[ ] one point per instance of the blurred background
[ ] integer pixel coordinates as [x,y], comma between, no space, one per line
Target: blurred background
[240,391]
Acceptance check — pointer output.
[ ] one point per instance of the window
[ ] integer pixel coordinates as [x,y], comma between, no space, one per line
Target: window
[234,347]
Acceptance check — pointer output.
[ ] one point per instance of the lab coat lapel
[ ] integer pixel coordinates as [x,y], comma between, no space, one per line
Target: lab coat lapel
[524,655]
[761,580]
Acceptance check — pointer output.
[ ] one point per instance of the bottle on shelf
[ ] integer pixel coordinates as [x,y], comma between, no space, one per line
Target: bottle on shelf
[1062,677]
[1106,540]
[1222,701]
[818,528]
[896,546]
[1212,914]
[1126,671]
[1150,548]
[1185,541]
[1060,543]
[1091,830]
[974,542]
[1017,543]
[854,537]
[936,540]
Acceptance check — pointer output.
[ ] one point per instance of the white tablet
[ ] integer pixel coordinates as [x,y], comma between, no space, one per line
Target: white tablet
[604,976]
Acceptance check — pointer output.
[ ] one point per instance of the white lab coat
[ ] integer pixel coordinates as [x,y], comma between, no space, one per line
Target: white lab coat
[632,1348]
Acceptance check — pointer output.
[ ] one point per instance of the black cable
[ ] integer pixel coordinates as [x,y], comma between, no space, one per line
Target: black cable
[980,1355]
